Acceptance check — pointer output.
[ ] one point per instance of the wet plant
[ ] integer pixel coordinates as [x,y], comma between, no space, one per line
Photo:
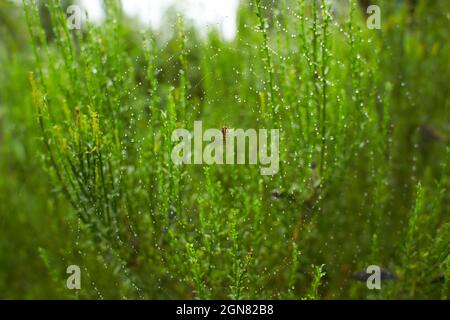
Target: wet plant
[86,123]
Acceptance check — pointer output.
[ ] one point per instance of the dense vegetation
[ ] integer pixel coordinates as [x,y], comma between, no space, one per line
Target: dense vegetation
[86,118]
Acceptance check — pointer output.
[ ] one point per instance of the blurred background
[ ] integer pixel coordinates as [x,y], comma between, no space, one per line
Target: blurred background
[38,232]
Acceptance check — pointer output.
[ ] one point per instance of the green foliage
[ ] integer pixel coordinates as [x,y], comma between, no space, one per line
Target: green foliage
[318,274]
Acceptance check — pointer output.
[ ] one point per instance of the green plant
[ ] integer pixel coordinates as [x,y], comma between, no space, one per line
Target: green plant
[86,122]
